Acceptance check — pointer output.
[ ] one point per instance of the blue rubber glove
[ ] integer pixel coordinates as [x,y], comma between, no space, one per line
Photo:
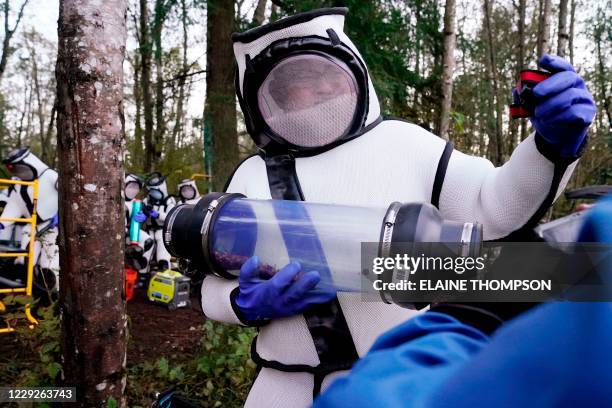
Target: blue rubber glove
[564,108]
[153,214]
[140,217]
[286,294]
[55,220]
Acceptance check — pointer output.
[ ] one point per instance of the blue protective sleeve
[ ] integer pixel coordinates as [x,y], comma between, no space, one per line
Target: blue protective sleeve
[406,364]
[556,355]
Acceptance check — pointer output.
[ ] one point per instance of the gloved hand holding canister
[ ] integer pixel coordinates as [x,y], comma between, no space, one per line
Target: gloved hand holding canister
[140,217]
[287,293]
[150,212]
[564,107]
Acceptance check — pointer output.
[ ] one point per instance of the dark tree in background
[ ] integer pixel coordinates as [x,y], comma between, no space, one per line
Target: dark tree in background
[543,45]
[447,68]
[9,32]
[220,109]
[145,50]
[92,37]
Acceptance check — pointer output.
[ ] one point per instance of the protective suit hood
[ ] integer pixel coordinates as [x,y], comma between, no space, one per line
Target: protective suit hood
[22,159]
[188,190]
[302,84]
[157,187]
[132,184]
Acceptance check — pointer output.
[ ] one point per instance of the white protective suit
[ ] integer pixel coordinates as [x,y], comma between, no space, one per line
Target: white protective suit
[11,233]
[25,165]
[188,192]
[145,241]
[159,200]
[382,162]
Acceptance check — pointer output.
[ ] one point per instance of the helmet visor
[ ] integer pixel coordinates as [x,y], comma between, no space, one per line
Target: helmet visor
[187,192]
[156,194]
[309,100]
[22,171]
[132,188]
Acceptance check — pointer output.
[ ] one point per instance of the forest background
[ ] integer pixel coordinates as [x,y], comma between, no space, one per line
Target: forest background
[446,65]
[179,89]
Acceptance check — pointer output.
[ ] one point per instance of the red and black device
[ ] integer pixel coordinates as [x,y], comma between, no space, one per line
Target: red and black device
[523,100]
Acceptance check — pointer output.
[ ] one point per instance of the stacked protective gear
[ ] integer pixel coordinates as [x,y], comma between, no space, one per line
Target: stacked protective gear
[23,164]
[188,191]
[132,186]
[157,205]
[310,107]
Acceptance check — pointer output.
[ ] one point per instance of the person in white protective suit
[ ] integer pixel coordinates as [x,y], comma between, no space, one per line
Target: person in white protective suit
[157,205]
[12,233]
[310,107]
[24,165]
[132,186]
[188,191]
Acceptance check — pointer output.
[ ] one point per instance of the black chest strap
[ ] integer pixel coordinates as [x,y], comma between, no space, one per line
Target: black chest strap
[326,322]
[23,192]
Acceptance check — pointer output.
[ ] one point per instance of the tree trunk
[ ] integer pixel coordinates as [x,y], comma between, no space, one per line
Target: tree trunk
[39,109]
[220,109]
[160,123]
[543,45]
[145,81]
[562,35]
[601,68]
[8,33]
[180,114]
[260,12]
[495,140]
[417,39]
[571,33]
[138,159]
[27,101]
[273,13]
[51,155]
[90,125]
[521,53]
[448,67]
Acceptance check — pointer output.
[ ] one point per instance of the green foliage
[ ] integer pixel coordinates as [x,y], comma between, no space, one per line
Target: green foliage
[36,362]
[111,403]
[219,375]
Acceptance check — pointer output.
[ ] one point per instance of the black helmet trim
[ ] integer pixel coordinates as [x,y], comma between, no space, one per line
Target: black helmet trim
[135,179]
[255,33]
[17,155]
[155,179]
[258,68]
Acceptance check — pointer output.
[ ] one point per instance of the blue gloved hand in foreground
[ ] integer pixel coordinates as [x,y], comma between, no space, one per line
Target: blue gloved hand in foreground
[286,294]
[564,109]
[597,226]
[140,217]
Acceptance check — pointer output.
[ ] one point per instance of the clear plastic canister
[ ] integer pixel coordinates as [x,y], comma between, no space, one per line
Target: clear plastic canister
[322,237]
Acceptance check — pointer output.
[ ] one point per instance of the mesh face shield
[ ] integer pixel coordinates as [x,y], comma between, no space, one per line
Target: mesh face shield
[22,171]
[309,100]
